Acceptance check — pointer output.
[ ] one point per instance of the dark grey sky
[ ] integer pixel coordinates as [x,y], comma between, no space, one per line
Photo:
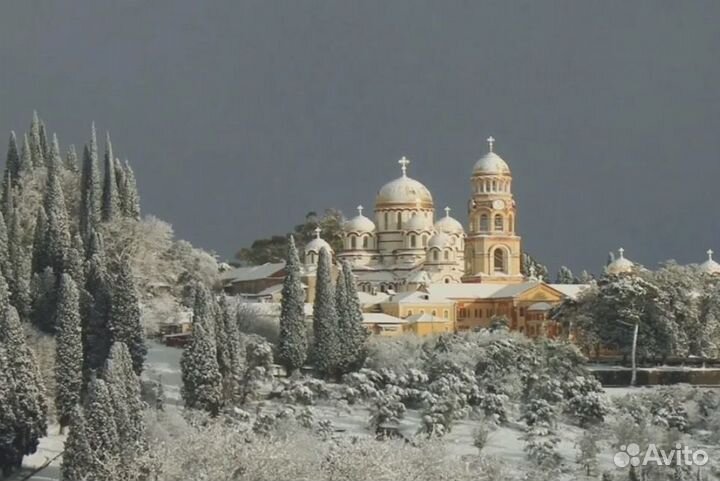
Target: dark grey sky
[241,116]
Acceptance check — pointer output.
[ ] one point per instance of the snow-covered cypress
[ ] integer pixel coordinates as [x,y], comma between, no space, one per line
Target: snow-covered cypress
[132,197]
[19,284]
[102,433]
[565,276]
[8,196]
[89,189]
[96,314]
[57,235]
[40,259]
[26,163]
[7,417]
[124,387]
[125,322]
[37,154]
[202,381]
[11,175]
[44,144]
[75,261]
[293,344]
[352,332]
[71,160]
[28,400]
[43,292]
[110,200]
[227,340]
[78,458]
[5,266]
[326,349]
[68,351]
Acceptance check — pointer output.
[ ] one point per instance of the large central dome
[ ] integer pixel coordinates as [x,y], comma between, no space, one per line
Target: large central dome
[404,192]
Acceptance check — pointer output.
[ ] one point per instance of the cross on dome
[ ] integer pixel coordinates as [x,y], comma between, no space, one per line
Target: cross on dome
[360,209]
[622,252]
[318,230]
[710,254]
[403,165]
[491,142]
[447,211]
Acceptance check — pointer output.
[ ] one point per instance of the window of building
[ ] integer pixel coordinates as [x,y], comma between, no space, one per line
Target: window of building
[366,242]
[446,314]
[399,220]
[499,260]
[311,257]
[435,255]
[353,242]
[387,221]
[424,241]
[484,223]
[522,311]
[412,241]
[434,312]
[447,255]
[409,313]
[498,222]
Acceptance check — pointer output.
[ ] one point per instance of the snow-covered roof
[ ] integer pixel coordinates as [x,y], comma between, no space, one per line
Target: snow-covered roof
[425,318]
[368,299]
[418,297]
[497,291]
[381,318]
[252,273]
[448,224]
[570,290]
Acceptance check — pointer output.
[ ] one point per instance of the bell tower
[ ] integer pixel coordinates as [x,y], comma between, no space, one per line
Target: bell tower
[492,248]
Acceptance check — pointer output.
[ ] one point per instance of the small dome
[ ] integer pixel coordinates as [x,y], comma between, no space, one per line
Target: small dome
[404,191]
[317,243]
[419,277]
[417,223]
[491,163]
[359,223]
[710,266]
[621,265]
[449,225]
[439,240]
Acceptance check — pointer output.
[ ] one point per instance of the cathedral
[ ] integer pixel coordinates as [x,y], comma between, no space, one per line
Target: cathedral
[404,246]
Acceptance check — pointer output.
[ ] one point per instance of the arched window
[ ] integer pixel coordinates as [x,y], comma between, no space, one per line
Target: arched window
[353,242]
[494,185]
[499,260]
[311,257]
[366,242]
[434,312]
[447,255]
[447,280]
[424,241]
[498,222]
[409,313]
[387,221]
[435,255]
[484,223]
[412,240]
[399,220]
[446,314]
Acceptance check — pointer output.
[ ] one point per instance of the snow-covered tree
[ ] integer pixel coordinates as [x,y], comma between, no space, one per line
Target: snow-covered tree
[353,334]
[29,404]
[79,461]
[40,258]
[69,355]
[90,189]
[110,200]
[19,284]
[43,291]
[37,152]
[588,451]
[202,381]
[125,322]
[57,234]
[8,458]
[292,347]
[5,264]
[101,429]
[96,312]
[564,276]
[229,347]
[326,348]
[132,197]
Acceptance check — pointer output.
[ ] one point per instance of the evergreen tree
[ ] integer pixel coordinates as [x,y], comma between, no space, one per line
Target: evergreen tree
[125,322]
[89,189]
[78,459]
[71,160]
[68,353]
[96,312]
[121,183]
[585,277]
[19,284]
[564,276]
[7,417]
[202,381]
[5,265]
[110,201]
[352,332]
[132,198]
[229,349]
[75,261]
[37,153]
[102,433]
[44,144]
[8,197]
[44,296]
[292,347]
[12,161]
[26,163]
[124,386]
[57,240]
[40,259]
[29,405]
[326,350]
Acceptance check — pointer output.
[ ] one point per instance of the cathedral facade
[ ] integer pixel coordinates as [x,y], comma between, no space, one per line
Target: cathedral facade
[404,246]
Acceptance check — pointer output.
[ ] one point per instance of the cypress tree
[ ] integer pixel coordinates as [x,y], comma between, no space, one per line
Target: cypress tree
[68,352]
[352,332]
[44,144]
[121,183]
[5,266]
[326,351]
[110,201]
[89,189]
[74,263]
[26,163]
[125,323]
[96,312]
[102,434]
[19,283]
[40,259]
[29,405]
[78,459]
[202,381]
[132,198]
[8,197]
[44,296]
[124,387]
[223,348]
[37,153]
[57,241]
[12,160]
[293,344]
[71,160]
[7,417]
